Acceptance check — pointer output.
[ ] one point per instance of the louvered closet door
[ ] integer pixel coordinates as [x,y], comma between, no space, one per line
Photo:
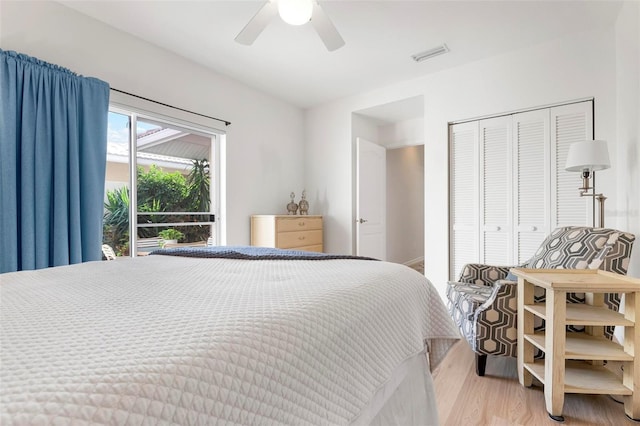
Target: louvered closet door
[495,191]
[569,124]
[463,179]
[531,177]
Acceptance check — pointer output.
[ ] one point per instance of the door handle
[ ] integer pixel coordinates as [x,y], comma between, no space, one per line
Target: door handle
[361,220]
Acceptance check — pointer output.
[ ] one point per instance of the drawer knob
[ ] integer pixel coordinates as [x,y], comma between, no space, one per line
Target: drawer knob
[300,223]
[301,238]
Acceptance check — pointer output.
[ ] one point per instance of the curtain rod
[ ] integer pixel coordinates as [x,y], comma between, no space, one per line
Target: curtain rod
[226,123]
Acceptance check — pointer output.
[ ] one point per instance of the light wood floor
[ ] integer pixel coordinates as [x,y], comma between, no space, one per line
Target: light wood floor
[497,399]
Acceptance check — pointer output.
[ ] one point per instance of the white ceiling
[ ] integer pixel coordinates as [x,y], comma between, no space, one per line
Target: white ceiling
[292,64]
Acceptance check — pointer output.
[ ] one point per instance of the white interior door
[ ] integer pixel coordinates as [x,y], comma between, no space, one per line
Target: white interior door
[569,124]
[464,208]
[371,194]
[531,182]
[495,191]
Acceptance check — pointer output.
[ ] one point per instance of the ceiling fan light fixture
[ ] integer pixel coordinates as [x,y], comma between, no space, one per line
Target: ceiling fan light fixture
[295,12]
[427,54]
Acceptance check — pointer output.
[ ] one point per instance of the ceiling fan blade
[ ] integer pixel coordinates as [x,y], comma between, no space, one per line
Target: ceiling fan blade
[257,24]
[325,28]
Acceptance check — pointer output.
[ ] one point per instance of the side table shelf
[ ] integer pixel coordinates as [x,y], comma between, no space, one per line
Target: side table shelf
[573,361]
[578,314]
[584,378]
[581,346]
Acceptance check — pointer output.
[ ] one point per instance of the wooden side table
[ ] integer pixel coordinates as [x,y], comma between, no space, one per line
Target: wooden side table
[573,361]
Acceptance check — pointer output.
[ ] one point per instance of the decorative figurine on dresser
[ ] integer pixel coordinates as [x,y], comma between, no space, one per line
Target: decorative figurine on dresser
[304,204]
[293,231]
[292,207]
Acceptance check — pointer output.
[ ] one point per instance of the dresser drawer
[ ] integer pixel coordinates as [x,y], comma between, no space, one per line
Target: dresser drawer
[298,239]
[285,224]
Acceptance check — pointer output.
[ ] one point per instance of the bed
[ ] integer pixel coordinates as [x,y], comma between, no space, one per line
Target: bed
[192,340]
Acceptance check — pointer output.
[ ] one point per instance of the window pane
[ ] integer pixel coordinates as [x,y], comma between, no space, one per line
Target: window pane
[173,185]
[116,218]
[173,182]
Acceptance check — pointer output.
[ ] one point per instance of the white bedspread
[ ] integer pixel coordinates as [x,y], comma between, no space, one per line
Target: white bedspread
[203,341]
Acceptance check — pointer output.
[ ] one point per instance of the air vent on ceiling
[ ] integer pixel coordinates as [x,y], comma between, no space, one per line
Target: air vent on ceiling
[419,57]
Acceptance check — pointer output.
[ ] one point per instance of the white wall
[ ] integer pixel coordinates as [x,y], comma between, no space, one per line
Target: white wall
[264,149]
[405,204]
[627,209]
[575,67]
[403,133]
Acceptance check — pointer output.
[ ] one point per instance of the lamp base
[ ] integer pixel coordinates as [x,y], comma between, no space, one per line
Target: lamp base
[601,198]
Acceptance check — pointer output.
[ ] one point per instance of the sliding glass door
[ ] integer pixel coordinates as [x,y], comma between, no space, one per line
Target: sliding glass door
[162,185]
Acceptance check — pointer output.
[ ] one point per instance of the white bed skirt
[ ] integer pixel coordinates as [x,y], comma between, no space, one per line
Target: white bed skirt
[407,399]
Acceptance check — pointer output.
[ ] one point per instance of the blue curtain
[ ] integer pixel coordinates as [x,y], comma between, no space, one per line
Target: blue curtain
[53,151]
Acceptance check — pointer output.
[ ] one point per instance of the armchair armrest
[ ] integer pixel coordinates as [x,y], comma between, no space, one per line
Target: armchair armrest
[498,312]
[476,273]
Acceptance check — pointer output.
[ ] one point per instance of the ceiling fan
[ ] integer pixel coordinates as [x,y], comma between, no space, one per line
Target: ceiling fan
[294,12]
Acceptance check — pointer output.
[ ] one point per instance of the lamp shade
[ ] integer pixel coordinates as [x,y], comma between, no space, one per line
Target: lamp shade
[588,155]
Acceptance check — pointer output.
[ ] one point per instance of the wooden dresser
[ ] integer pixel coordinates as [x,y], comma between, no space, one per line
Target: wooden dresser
[287,232]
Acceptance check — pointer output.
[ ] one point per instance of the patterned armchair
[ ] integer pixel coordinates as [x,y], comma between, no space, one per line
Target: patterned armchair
[483,303]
